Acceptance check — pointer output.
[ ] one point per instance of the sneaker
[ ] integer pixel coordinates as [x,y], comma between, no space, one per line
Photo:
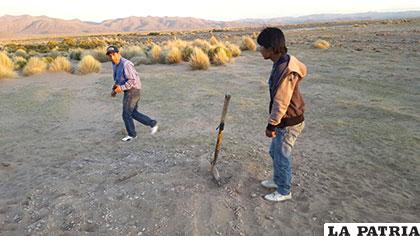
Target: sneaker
[128,138]
[277,197]
[154,129]
[269,184]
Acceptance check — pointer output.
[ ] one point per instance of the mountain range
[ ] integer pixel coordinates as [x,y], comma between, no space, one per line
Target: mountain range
[38,26]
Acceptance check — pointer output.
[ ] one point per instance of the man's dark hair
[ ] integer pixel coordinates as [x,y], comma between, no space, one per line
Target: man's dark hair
[272,37]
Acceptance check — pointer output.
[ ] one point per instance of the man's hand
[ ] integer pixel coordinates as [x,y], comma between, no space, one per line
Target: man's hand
[270,133]
[118,89]
[114,87]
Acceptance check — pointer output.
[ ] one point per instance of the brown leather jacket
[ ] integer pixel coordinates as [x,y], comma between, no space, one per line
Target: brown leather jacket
[287,105]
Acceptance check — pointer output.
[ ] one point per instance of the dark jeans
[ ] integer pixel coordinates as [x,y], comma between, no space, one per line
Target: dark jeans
[130,102]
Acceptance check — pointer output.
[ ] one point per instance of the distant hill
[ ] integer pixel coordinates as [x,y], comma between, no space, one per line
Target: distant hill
[335,17]
[25,25]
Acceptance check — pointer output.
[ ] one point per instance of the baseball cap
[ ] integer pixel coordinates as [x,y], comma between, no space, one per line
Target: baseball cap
[111,49]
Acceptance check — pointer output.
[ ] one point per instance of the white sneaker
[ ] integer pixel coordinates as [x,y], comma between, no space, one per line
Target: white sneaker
[154,129]
[128,138]
[277,197]
[268,184]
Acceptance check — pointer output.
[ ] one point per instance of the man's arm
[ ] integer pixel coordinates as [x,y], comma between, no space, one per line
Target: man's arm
[282,100]
[132,76]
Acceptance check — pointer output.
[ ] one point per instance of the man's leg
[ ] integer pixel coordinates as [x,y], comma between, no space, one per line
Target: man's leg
[129,103]
[281,152]
[283,157]
[140,117]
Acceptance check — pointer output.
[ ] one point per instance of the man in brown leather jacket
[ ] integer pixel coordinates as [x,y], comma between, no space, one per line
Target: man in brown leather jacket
[286,120]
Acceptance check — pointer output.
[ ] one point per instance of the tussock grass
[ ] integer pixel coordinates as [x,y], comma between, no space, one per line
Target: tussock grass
[221,58]
[60,64]
[203,44]
[321,44]
[248,44]
[174,56]
[89,64]
[213,40]
[199,60]
[6,61]
[34,66]
[6,66]
[6,72]
[155,53]
[234,49]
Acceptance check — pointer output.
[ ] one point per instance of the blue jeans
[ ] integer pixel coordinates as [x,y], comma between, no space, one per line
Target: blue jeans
[281,153]
[130,102]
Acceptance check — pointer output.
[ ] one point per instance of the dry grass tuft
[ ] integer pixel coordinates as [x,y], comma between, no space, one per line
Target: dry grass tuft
[60,64]
[199,60]
[89,64]
[34,66]
[248,44]
[220,58]
[155,53]
[201,43]
[6,67]
[5,61]
[234,49]
[174,56]
[321,44]
[213,40]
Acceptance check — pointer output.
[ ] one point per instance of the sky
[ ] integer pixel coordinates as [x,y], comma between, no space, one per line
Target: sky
[99,10]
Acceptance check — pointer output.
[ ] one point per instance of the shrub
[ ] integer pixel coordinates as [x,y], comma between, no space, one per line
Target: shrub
[186,53]
[141,60]
[52,44]
[35,65]
[321,44]
[60,64]
[131,51]
[174,56]
[89,64]
[54,53]
[20,62]
[199,60]
[21,53]
[248,44]
[155,53]
[76,54]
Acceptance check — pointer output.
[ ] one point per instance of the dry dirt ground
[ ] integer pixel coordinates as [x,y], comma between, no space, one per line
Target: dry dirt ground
[64,170]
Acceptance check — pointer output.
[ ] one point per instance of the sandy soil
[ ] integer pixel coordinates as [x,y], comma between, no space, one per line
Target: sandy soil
[64,170]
